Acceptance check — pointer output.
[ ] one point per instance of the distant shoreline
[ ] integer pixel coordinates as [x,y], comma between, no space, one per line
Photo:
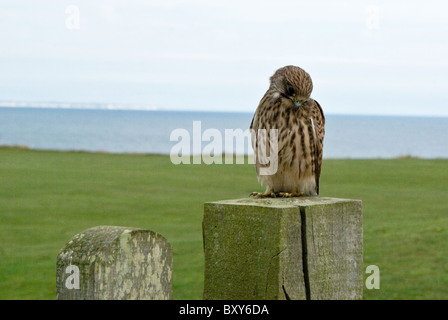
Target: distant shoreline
[118,107]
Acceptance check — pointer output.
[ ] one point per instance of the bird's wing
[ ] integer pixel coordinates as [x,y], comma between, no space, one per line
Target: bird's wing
[319,130]
[267,117]
[253,126]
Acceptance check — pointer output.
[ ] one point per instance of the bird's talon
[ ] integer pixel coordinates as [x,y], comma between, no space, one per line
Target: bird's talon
[256,194]
[260,195]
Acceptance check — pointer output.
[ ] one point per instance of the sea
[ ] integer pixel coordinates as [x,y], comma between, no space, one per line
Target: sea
[158,132]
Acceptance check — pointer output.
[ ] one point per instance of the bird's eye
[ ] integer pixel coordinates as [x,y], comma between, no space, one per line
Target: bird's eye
[290,90]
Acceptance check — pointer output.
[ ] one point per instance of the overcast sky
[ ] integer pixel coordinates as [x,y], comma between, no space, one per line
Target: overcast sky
[365,57]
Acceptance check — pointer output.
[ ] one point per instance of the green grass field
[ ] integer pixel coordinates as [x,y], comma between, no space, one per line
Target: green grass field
[47,197]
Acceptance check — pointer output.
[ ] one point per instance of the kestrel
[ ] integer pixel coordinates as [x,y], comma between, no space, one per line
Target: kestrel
[300,122]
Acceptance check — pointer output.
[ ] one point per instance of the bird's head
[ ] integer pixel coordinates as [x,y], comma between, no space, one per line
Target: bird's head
[293,83]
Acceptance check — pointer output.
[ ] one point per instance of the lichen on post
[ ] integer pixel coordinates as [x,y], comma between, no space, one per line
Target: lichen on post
[115,263]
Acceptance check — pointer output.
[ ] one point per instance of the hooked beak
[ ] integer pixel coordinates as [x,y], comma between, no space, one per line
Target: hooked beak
[300,103]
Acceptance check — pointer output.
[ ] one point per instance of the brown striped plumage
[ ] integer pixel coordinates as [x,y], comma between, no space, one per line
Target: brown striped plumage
[300,121]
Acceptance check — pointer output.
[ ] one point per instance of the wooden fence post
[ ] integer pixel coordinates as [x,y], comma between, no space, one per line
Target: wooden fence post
[115,263]
[296,248]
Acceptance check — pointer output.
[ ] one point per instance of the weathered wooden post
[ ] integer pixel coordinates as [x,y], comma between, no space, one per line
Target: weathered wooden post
[114,263]
[296,248]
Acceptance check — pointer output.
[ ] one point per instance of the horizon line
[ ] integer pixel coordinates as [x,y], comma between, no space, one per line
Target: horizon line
[146,107]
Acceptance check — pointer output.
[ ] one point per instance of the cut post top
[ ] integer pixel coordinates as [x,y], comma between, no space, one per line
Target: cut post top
[283,202]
